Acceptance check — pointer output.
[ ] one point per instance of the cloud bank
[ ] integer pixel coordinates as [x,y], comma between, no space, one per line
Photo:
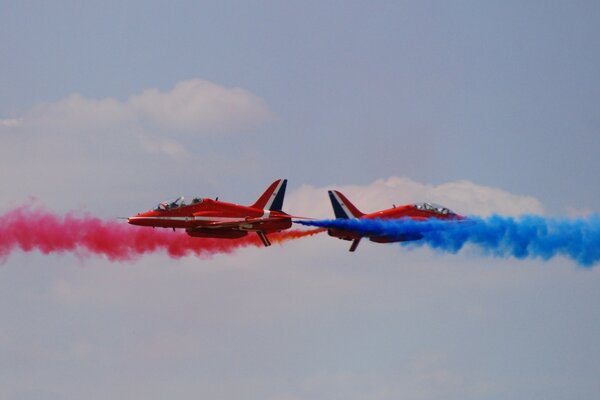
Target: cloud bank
[199,105]
[81,144]
[463,197]
[193,106]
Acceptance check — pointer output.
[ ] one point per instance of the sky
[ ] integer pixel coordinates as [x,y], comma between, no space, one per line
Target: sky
[108,108]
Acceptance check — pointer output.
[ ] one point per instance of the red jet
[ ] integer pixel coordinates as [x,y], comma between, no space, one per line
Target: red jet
[343,208]
[218,219]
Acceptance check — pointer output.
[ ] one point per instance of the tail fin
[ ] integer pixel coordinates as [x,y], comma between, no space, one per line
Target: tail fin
[272,198]
[342,206]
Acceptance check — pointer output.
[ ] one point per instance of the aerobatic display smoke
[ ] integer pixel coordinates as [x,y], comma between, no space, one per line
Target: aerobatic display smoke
[29,228]
[525,237]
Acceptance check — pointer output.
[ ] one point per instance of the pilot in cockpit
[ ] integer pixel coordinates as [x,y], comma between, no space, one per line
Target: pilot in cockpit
[163,206]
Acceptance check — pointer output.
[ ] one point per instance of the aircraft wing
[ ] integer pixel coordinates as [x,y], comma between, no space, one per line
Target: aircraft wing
[231,224]
[242,223]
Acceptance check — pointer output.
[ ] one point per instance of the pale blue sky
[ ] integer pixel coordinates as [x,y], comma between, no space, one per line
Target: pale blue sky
[500,93]
[504,94]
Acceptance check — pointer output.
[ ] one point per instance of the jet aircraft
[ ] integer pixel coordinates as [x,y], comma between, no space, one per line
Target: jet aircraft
[343,208]
[210,218]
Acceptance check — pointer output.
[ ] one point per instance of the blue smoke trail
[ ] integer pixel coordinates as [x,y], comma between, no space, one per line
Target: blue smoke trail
[528,236]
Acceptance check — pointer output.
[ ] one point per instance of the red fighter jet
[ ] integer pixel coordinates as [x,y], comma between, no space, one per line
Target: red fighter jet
[218,219]
[343,208]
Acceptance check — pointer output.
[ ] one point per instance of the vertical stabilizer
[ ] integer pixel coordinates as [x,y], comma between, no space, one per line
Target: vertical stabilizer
[342,207]
[272,198]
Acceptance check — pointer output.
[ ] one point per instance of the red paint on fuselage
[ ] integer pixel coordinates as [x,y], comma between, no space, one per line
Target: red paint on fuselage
[410,211]
[214,215]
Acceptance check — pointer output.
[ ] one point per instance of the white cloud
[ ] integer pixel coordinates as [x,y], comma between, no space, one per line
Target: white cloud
[574,212]
[160,146]
[59,150]
[196,106]
[199,105]
[77,113]
[463,197]
[10,123]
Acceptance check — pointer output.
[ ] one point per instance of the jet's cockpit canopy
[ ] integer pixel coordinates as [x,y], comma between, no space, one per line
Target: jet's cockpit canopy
[436,208]
[165,205]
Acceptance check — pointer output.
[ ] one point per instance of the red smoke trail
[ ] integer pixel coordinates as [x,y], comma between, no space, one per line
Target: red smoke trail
[31,229]
[293,234]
